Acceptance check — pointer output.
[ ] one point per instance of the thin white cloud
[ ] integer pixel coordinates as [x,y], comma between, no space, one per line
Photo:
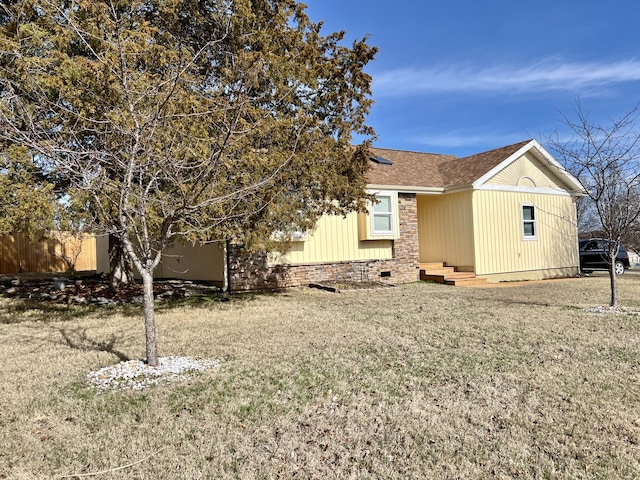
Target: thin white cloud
[546,75]
[440,142]
[479,138]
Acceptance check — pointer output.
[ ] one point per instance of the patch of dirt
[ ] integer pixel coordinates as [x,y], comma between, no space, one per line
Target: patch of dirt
[338,286]
[95,289]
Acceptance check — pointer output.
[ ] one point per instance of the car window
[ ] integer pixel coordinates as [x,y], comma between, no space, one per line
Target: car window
[610,246]
[591,246]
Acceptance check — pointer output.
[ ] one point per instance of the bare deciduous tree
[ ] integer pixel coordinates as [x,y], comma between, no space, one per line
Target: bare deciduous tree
[218,119]
[606,159]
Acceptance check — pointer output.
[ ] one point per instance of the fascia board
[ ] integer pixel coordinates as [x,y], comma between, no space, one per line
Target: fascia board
[572,181]
[502,165]
[407,189]
[459,188]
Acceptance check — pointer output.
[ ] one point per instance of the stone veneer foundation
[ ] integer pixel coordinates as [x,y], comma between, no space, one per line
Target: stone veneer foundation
[252,272]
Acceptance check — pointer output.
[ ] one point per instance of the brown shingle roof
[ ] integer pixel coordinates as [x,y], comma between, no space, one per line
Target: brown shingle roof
[409,168]
[413,169]
[464,171]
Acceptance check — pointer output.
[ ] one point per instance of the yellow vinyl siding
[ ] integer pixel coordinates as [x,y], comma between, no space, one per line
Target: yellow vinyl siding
[181,260]
[445,228]
[524,170]
[500,247]
[335,239]
[102,254]
[193,262]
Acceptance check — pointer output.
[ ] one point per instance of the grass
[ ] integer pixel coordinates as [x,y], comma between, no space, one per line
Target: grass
[420,381]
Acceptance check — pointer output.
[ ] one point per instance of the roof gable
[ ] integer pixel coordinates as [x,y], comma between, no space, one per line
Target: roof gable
[415,171]
[547,166]
[527,170]
[467,170]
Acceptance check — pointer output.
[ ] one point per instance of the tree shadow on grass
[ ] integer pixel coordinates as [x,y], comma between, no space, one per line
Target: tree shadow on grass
[34,338]
[78,339]
[26,310]
[207,301]
[16,311]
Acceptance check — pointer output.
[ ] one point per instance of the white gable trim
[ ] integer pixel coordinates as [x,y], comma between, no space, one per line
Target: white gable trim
[574,186]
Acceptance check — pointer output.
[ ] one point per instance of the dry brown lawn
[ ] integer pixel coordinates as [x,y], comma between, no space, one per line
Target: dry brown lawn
[420,381]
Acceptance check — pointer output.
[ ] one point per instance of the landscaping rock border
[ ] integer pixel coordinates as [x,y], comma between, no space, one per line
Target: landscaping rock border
[96,290]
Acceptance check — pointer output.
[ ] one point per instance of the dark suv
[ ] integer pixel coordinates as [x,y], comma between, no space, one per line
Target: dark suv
[594,255]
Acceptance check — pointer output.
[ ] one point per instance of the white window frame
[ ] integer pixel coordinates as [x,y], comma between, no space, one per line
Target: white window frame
[533,221]
[390,214]
[299,235]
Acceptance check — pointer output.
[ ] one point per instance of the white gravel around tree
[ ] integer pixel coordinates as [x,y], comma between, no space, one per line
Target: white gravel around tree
[136,375]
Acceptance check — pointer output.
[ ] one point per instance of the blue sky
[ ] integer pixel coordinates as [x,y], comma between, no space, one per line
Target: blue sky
[465,76]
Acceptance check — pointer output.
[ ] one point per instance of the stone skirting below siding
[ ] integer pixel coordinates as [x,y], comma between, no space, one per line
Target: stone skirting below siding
[252,272]
[282,276]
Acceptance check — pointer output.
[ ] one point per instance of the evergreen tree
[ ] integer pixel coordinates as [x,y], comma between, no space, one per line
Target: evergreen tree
[198,119]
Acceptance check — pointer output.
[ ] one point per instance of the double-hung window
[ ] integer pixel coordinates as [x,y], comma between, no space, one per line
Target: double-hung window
[381,221]
[529,225]
[382,215]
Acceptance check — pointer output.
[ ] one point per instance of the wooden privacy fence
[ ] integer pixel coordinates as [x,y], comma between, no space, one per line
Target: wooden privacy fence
[58,253]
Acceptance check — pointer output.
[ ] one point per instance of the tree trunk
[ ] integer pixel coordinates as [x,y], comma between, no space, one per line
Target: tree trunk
[614,282]
[119,266]
[149,319]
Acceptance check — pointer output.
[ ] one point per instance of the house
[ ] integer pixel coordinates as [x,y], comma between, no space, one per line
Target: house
[505,214]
